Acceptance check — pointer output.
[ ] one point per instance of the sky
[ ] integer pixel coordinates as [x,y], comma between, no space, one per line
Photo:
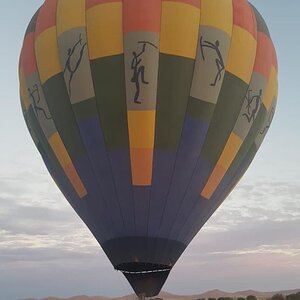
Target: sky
[251,242]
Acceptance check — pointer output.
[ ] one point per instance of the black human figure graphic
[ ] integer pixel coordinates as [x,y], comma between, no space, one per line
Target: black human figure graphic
[138,72]
[219,60]
[71,53]
[252,109]
[34,94]
[269,121]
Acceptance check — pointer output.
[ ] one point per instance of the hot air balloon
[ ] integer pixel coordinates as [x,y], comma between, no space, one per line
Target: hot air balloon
[147,114]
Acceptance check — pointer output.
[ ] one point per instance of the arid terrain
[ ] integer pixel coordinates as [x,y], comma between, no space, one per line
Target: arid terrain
[168,296]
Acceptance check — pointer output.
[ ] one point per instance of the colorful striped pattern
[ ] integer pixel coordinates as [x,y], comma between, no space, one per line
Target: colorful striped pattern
[147,113]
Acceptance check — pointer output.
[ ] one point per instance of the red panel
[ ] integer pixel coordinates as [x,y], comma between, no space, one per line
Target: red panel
[91,3]
[141,166]
[264,55]
[27,58]
[196,3]
[244,17]
[47,16]
[141,15]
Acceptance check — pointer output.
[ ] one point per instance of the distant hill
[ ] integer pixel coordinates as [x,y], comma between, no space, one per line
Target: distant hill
[169,296]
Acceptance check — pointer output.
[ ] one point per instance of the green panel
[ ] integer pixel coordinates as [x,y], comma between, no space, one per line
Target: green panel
[85,109]
[227,110]
[199,109]
[109,84]
[33,123]
[61,110]
[174,83]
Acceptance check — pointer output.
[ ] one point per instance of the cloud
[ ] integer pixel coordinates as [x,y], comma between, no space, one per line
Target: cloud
[43,237]
[252,241]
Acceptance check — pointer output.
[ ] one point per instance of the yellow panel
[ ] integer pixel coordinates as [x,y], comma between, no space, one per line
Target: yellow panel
[70,14]
[74,178]
[218,14]
[105,30]
[231,149]
[46,50]
[213,181]
[59,149]
[65,161]
[179,29]
[241,54]
[23,90]
[141,126]
[272,88]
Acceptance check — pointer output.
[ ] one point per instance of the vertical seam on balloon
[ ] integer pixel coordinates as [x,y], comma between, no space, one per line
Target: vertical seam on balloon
[196,200]
[233,180]
[75,119]
[35,132]
[182,200]
[211,210]
[254,21]
[157,85]
[236,121]
[59,60]
[99,119]
[129,148]
[195,168]
[42,88]
[233,126]
[178,146]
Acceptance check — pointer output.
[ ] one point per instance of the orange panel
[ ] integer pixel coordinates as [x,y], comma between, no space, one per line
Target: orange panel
[263,58]
[91,3]
[27,58]
[196,3]
[75,180]
[141,166]
[46,17]
[141,15]
[213,181]
[243,16]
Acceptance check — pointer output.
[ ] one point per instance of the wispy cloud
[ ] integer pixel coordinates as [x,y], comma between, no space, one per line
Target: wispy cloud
[252,241]
[252,238]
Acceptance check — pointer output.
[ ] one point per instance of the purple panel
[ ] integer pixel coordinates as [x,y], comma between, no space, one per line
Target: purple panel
[193,136]
[163,165]
[120,164]
[92,136]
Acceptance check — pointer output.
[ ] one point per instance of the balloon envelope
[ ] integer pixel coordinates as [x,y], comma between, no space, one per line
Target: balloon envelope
[146,114]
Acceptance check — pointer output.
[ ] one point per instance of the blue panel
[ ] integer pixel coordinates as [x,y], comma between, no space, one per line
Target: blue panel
[193,136]
[204,168]
[120,163]
[163,165]
[141,197]
[202,213]
[95,199]
[92,136]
